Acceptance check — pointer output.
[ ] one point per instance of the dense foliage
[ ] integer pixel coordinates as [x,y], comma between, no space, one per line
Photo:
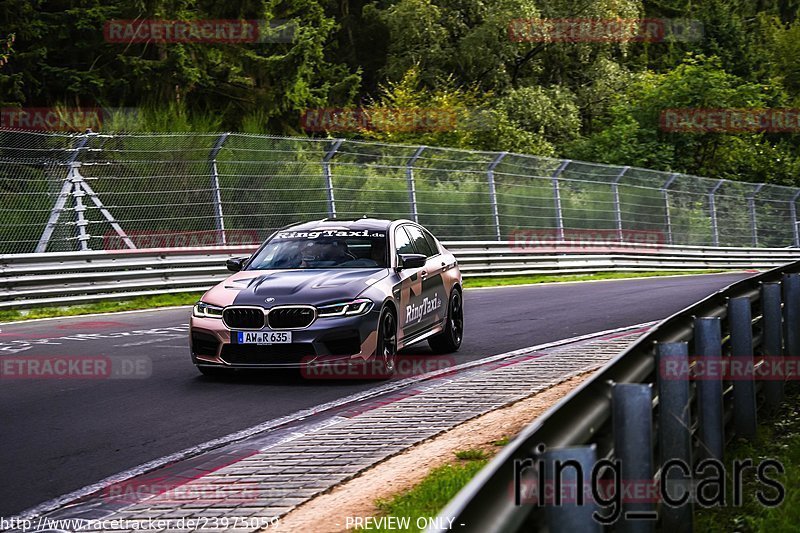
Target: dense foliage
[599,101]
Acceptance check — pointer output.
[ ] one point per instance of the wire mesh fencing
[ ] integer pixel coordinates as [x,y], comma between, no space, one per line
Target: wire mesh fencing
[96,191]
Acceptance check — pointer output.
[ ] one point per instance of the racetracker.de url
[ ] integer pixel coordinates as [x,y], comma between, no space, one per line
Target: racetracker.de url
[149,524]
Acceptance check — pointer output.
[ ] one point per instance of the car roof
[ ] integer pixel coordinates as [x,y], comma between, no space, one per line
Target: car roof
[348,224]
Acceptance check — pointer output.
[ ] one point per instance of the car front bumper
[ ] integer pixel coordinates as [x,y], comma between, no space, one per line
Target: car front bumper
[333,339]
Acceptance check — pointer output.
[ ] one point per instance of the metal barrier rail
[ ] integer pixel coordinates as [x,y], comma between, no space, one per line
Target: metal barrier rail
[65,278]
[615,415]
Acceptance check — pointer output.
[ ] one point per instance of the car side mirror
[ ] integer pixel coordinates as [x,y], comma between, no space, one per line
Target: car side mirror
[411,261]
[235,264]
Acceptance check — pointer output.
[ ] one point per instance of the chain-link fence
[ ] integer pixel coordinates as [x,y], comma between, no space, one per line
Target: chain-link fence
[94,191]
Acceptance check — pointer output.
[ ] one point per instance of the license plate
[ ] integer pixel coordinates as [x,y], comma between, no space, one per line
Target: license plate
[264,337]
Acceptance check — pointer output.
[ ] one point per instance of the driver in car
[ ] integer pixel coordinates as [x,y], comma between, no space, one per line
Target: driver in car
[331,252]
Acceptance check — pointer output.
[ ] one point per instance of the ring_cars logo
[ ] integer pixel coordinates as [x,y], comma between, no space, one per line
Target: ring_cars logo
[414,313]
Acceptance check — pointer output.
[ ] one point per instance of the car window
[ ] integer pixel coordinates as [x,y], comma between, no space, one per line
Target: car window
[419,241]
[402,242]
[431,241]
[322,249]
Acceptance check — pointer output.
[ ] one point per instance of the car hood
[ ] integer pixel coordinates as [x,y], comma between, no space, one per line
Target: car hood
[279,287]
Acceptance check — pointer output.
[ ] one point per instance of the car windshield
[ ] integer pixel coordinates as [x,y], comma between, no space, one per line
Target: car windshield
[322,249]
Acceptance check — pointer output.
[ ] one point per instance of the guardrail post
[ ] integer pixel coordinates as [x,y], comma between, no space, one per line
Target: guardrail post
[751,204]
[667,215]
[493,193]
[326,171]
[708,349]
[740,321]
[412,189]
[712,208]
[632,411]
[557,199]
[791,314]
[617,208]
[675,433]
[772,340]
[216,195]
[565,465]
[61,201]
[793,215]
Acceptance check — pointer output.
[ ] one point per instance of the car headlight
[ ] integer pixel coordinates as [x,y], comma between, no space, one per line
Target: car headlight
[204,310]
[361,306]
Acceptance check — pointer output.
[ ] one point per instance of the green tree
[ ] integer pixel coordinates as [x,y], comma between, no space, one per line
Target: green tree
[62,57]
[632,134]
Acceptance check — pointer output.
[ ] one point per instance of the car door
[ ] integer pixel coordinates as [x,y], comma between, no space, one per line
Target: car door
[409,294]
[431,307]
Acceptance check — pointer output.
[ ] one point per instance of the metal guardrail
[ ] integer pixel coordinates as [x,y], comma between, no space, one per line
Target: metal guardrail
[615,415]
[65,278]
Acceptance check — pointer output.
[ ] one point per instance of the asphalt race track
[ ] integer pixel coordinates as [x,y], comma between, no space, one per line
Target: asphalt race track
[59,435]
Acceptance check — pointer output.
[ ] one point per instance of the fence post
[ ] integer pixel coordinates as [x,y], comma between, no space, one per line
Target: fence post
[740,321]
[412,189]
[793,214]
[107,214]
[631,417]
[562,468]
[667,216]
[77,195]
[215,190]
[557,199]
[751,205]
[326,171]
[674,432]
[63,195]
[772,340]
[708,349]
[791,314]
[617,208]
[493,193]
[712,207]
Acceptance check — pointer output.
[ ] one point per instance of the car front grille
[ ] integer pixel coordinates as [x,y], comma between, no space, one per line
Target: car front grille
[243,317]
[291,317]
[253,354]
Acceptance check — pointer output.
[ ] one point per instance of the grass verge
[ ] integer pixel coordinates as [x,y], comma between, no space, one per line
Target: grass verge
[140,302]
[778,439]
[188,298]
[426,499]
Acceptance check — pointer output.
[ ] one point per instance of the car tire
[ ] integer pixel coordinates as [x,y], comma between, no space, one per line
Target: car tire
[449,340]
[386,349]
